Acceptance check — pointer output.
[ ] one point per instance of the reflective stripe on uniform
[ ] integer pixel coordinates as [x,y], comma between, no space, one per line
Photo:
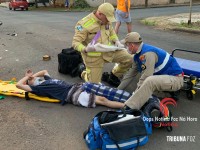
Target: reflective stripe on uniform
[89,23]
[80,47]
[163,64]
[94,53]
[109,43]
[113,37]
[88,70]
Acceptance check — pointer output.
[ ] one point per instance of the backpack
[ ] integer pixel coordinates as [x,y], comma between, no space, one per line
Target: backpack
[112,130]
[69,61]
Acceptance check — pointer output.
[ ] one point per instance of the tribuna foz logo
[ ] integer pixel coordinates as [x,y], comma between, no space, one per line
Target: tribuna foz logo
[182,138]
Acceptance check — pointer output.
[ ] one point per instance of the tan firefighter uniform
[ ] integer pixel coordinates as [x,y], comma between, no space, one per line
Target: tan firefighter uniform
[85,30]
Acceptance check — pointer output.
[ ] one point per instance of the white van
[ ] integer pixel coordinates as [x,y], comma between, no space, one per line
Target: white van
[31,2]
[40,2]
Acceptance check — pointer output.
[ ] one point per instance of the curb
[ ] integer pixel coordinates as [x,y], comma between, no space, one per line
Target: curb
[167,5]
[150,6]
[186,30]
[138,7]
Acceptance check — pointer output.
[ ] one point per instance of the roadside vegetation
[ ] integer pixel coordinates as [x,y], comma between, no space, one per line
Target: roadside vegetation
[193,25]
[78,5]
[179,21]
[148,22]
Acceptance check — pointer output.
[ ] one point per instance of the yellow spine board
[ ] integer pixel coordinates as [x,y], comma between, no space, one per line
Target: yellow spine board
[9,88]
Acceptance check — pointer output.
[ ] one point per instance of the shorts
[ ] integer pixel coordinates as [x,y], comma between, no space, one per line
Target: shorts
[120,16]
[85,100]
[67,3]
[78,97]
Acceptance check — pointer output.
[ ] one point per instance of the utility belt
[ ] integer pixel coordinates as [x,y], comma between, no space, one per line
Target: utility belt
[180,75]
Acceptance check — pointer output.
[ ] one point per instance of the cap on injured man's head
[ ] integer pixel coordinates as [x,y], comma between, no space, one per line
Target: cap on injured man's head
[133,37]
[108,10]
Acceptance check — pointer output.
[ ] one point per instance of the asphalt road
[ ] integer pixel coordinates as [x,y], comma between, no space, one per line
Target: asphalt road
[35,125]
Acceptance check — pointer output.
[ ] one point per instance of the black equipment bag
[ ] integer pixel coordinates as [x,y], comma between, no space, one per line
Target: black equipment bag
[125,129]
[68,61]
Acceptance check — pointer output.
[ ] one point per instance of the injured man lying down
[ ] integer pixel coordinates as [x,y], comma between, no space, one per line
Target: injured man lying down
[79,94]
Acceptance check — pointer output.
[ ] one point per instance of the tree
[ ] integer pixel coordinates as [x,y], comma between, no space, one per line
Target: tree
[146,3]
[190,14]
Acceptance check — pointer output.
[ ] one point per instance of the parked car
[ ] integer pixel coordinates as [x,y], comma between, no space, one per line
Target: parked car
[18,4]
[31,2]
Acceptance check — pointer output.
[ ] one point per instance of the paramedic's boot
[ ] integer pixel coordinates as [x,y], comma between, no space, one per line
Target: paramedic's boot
[113,80]
[126,109]
[105,76]
[155,114]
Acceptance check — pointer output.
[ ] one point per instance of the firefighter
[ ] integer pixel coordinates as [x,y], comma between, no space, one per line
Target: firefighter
[98,25]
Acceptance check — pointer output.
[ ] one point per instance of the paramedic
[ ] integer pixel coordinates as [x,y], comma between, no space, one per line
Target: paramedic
[159,70]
